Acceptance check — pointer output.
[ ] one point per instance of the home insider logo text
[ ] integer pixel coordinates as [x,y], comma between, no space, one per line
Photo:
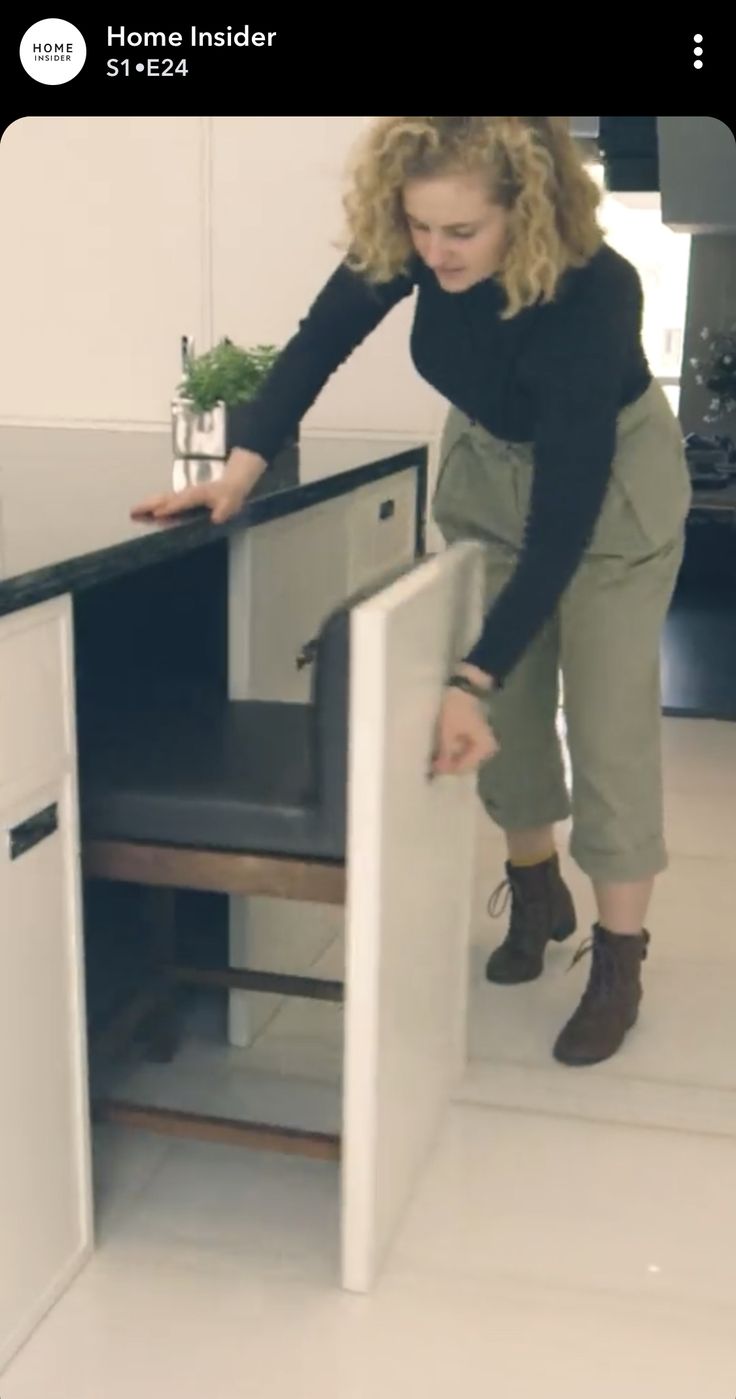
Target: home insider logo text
[196,38]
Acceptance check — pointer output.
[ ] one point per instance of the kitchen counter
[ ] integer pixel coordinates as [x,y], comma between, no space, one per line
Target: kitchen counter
[100,609]
[66,496]
[715,504]
[699,642]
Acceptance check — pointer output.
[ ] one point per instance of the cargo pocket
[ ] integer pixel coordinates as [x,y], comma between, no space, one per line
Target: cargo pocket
[649,495]
[448,508]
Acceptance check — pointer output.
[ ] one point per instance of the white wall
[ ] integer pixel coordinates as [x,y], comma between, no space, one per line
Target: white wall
[276,219]
[102,266]
[123,233]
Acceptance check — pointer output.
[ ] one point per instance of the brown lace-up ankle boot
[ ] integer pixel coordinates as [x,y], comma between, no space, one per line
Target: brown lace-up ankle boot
[541,910]
[610,1003]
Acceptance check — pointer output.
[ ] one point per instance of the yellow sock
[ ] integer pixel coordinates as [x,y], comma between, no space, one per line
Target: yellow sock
[538,860]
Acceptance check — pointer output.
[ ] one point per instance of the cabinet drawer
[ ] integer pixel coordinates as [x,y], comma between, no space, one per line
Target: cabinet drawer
[295,575]
[381,528]
[36,729]
[45,1201]
[288,575]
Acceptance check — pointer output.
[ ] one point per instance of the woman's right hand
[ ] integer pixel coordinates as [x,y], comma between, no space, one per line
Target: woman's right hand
[223,498]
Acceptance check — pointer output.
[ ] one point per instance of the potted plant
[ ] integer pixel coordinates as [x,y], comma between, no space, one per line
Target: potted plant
[716,371]
[212,397]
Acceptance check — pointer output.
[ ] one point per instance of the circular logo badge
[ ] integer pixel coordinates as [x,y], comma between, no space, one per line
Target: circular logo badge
[53,51]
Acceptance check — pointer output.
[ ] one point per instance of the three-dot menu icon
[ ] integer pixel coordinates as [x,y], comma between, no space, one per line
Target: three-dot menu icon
[698,51]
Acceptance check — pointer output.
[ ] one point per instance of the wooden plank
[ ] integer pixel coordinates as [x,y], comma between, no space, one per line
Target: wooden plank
[163,1031]
[277,983]
[218,871]
[258,1136]
[119,1030]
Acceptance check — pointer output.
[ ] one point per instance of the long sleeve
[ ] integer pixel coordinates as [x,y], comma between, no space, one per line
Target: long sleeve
[344,313]
[578,373]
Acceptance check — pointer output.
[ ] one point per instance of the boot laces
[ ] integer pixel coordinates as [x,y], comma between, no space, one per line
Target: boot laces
[604,969]
[602,979]
[521,934]
[499,900]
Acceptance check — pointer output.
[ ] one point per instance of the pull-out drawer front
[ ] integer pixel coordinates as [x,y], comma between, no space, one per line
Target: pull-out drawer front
[36,694]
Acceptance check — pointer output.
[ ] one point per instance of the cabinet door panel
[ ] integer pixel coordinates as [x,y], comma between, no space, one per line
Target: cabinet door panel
[36,737]
[284,577]
[411,858]
[44,1164]
[381,528]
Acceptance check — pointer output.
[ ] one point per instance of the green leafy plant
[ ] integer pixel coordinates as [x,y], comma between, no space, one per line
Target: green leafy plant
[716,371]
[226,374]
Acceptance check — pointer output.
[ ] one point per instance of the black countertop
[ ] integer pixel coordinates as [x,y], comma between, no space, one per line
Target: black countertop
[715,504]
[66,496]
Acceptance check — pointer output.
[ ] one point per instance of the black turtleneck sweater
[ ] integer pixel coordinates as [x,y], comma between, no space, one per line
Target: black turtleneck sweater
[555,376]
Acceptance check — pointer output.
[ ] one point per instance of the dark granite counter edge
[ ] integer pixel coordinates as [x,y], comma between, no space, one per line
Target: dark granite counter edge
[196,530]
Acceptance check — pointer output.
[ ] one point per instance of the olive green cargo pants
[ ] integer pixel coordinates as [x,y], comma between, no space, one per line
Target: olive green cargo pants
[603,640]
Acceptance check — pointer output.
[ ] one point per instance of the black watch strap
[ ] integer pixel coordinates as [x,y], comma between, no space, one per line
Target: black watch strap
[463,682]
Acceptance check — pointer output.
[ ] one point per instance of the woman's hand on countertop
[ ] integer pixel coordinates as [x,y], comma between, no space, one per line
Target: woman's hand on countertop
[223,498]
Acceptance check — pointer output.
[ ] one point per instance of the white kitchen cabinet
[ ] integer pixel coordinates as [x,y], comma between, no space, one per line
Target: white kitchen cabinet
[380,526]
[46,1222]
[285,577]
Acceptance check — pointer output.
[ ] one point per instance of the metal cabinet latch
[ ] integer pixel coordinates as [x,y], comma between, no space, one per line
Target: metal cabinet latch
[307,654]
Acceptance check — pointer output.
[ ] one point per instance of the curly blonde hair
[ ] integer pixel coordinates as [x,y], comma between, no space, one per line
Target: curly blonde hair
[533,168]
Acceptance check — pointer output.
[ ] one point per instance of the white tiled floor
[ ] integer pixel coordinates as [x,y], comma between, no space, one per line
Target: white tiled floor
[678,1067]
[565,1241]
[539,1256]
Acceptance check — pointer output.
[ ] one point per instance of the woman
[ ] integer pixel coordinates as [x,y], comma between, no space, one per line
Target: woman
[562,456]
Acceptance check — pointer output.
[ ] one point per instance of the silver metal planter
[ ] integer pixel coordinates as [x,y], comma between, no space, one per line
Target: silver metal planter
[200,443]
[203,441]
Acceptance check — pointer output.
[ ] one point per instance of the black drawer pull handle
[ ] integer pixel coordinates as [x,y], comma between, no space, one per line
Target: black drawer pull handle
[307,654]
[387,509]
[31,832]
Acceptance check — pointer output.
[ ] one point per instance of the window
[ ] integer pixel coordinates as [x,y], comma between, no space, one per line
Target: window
[633,226]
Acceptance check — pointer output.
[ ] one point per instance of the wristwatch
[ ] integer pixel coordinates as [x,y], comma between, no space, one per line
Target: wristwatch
[463,682]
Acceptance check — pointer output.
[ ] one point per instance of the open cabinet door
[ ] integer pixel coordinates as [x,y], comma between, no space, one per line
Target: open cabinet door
[410,871]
